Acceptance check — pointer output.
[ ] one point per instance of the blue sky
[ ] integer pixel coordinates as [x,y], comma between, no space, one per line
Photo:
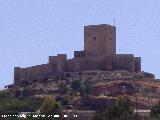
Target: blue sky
[31,30]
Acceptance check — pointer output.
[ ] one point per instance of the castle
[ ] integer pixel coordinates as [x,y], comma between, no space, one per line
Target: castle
[99,54]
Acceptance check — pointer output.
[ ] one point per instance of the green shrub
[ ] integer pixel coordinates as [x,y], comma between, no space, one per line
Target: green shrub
[20,105]
[50,107]
[76,85]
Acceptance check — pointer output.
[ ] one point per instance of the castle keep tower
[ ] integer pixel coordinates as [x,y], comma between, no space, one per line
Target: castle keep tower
[100,40]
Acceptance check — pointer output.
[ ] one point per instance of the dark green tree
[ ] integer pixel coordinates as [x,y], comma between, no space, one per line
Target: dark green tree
[88,87]
[121,110]
[76,85]
[155,111]
[99,116]
[25,92]
[63,88]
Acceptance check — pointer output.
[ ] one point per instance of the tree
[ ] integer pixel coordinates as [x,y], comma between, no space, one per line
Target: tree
[87,87]
[76,85]
[25,92]
[99,116]
[121,110]
[50,106]
[155,111]
[63,88]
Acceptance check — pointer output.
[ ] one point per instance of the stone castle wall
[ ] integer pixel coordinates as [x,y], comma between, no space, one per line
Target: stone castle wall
[124,61]
[60,64]
[32,73]
[110,63]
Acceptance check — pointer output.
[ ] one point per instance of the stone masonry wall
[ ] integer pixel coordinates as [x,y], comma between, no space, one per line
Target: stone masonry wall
[124,62]
[32,73]
[100,40]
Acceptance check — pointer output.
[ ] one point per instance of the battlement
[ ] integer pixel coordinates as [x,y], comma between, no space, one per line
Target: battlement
[59,57]
[101,26]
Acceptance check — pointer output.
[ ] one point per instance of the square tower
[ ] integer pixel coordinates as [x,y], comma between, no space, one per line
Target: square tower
[100,40]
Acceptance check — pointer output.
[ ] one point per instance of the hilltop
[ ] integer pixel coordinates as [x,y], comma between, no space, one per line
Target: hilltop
[94,86]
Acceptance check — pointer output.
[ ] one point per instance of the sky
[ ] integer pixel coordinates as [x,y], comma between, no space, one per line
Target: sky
[32,30]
